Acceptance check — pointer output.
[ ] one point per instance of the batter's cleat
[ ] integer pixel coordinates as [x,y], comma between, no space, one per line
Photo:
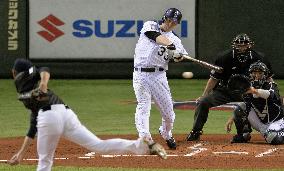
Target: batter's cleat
[157,149]
[171,143]
[194,136]
[241,138]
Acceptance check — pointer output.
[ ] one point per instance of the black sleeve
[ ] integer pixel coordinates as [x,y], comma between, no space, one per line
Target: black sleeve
[152,35]
[33,129]
[218,62]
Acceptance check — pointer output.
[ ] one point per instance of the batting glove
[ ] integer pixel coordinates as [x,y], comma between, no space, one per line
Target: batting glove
[177,57]
[171,47]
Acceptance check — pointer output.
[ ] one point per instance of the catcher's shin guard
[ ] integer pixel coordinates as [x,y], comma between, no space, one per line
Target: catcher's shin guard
[274,137]
[241,121]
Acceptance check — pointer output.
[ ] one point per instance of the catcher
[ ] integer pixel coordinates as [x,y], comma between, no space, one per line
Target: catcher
[51,119]
[262,108]
[236,60]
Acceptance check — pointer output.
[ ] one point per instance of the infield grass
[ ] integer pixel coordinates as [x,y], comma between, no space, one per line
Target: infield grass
[102,106]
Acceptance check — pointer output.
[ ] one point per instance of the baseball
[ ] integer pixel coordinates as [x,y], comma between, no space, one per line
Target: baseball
[187,75]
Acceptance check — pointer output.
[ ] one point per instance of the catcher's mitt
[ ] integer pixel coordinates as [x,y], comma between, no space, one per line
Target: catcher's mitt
[239,84]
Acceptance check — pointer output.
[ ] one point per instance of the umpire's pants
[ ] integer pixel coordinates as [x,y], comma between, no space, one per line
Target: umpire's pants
[219,96]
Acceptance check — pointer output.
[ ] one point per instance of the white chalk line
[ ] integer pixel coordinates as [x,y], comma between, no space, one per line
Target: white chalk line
[230,152]
[56,158]
[267,152]
[197,149]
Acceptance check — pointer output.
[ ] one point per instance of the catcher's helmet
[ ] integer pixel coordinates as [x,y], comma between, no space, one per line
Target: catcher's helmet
[173,14]
[242,45]
[258,74]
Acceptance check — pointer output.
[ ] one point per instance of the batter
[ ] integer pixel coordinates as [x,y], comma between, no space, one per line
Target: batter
[156,46]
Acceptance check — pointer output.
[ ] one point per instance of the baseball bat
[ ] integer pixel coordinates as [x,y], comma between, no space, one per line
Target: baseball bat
[204,64]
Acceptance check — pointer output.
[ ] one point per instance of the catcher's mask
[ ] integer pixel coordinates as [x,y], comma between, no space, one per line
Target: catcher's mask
[258,74]
[242,45]
[173,14]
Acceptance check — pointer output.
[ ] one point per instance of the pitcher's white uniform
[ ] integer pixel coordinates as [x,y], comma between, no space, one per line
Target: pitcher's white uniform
[52,119]
[148,85]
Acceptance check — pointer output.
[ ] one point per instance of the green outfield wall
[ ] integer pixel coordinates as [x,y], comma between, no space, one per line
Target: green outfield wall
[217,22]
[263,20]
[13,37]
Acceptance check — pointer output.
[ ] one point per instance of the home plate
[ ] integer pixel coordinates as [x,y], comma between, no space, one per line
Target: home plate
[230,152]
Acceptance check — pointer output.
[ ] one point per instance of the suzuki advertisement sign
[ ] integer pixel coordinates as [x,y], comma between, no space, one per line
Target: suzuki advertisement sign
[88,29]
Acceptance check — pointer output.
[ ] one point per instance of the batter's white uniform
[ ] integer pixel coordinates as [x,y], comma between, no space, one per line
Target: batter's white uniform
[61,121]
[153,85]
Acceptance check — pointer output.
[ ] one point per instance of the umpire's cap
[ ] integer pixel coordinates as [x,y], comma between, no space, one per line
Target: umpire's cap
[21,65]
[173,14]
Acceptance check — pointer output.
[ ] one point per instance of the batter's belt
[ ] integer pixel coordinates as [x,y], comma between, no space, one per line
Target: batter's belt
[149,69]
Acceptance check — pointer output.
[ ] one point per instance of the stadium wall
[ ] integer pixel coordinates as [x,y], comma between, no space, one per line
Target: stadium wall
[217,22]
[13,37]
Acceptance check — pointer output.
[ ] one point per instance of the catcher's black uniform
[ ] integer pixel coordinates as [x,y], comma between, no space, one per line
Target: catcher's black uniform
[220,94]
[268,110]
[263,114]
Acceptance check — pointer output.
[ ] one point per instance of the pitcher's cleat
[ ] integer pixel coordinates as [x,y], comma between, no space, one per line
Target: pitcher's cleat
[158,149]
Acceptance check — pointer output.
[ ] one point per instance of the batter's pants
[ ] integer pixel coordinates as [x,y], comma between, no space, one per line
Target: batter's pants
[148,86]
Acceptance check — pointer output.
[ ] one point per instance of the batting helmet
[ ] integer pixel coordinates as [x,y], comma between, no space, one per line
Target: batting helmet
[173,14]
[242,45]
[261,69]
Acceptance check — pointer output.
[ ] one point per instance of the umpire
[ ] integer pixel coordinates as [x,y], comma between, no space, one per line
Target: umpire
[236,60]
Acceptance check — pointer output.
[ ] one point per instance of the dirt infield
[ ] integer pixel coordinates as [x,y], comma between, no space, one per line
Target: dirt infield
[213,151]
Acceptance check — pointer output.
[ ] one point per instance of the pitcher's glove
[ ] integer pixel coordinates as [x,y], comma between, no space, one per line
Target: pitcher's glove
[239,84]
[34,94]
